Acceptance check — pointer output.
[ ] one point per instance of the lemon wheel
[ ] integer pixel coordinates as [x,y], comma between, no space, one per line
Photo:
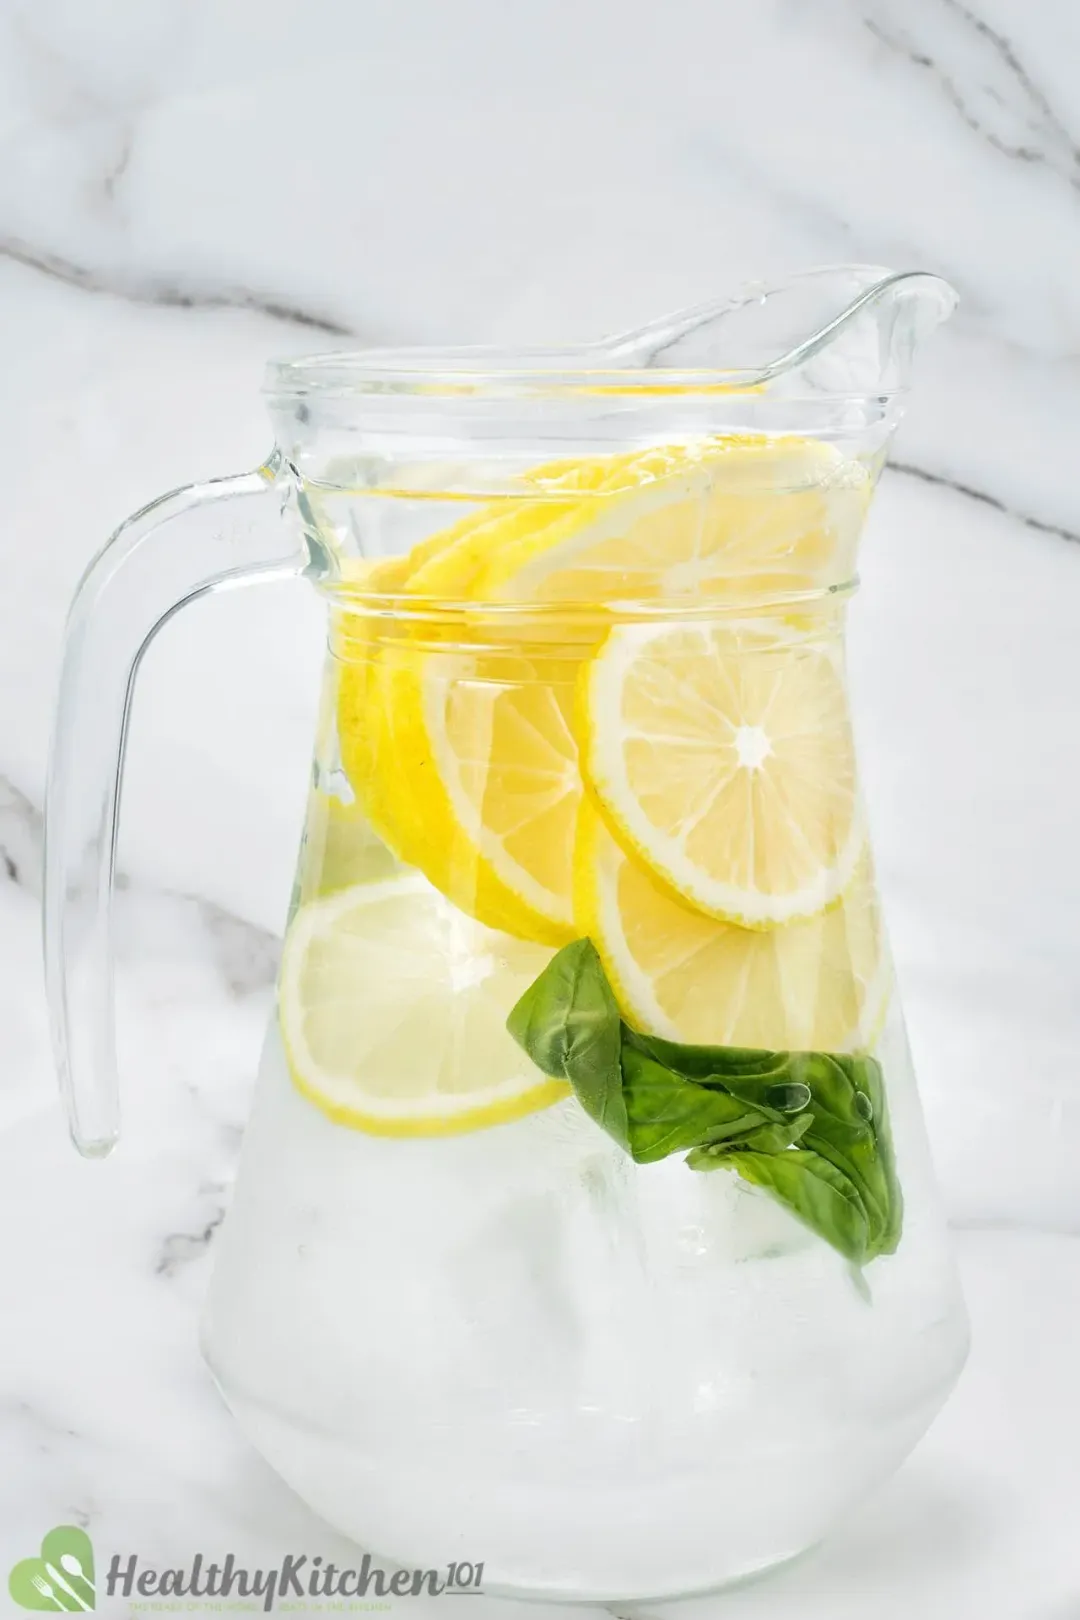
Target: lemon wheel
[392,1008]
[721,754]
[814,985]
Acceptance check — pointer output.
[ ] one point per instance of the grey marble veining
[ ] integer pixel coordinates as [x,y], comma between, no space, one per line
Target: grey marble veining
[982,74]
[20,838]
[165,295]
[908,470]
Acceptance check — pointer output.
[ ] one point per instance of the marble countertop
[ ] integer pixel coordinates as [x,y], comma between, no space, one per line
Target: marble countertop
[189,189]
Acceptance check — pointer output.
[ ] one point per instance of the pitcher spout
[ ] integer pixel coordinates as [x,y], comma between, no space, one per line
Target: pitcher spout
[849,330]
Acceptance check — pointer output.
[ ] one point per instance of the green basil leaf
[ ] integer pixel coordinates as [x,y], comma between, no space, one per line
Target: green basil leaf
[667,1114]
[842,1134]
[818,1194]
[845,1132]
[776,1138]
[869,1081]
[568,1022]
[716,1065]
[812,1127]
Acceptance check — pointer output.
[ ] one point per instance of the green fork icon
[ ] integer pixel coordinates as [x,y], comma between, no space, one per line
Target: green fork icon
[61,1577]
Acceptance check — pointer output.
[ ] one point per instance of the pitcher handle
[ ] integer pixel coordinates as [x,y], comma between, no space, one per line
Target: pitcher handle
[172,552]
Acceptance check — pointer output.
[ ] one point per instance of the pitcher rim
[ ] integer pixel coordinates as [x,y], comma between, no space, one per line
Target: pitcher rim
[495,370]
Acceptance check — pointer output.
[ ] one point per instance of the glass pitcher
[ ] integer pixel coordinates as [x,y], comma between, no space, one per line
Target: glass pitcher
[585,1227]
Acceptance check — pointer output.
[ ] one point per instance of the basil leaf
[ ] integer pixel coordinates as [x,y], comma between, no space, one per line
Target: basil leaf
[821,1196]
[842,1134]
[810,1127]
[777,1138]
[568,1022]
[869,1081]
[716,1065]
[667,1114]
[770,1082]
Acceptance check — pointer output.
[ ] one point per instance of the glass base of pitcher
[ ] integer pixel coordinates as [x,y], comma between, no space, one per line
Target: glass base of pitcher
[567,1594]
[562,1541]
[599,1382]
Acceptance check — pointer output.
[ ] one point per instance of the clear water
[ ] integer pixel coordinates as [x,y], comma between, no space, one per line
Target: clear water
[602,1380]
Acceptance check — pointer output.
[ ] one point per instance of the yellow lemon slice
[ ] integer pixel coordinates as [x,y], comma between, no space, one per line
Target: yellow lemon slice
[393,1013]
[743,516]
[385,748]
[464,762]
[369,744]
[815,985]
[448,565]
[721,754]
[458,746]
[487,766]
[566,498]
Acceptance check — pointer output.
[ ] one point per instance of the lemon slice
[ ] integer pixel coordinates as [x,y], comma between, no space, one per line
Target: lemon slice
[722,755]
[448,565]
[370,746]
[384,748]
[486,759]
[744,516]
[393,1013]
[462,753]
[462,760]
[815,985]
[565,499]
[464,756]
[657,522]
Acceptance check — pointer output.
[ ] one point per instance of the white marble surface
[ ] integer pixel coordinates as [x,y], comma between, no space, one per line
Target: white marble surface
[188,187]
